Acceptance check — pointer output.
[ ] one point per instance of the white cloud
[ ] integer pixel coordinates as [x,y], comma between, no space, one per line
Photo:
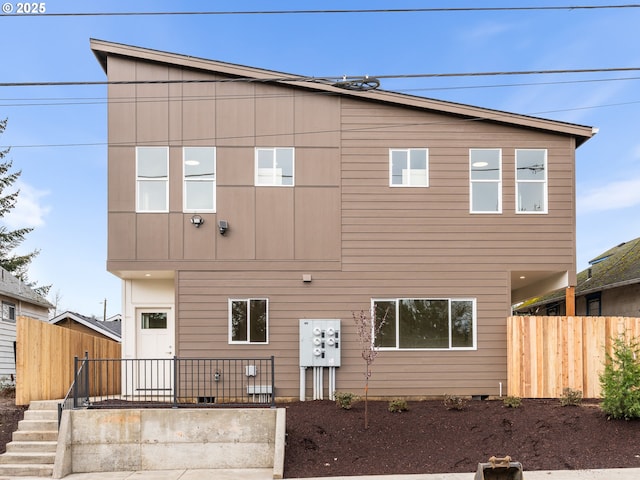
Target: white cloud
[613,196]
[30,209]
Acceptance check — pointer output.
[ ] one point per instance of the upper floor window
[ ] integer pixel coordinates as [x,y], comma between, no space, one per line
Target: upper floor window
[425,323]
[199,167]
[274,167]
[531,181]
[485,167]
[152,179]
[248,320]
[8,312]
[409,167]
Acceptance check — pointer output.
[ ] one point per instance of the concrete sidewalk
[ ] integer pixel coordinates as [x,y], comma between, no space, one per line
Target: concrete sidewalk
[266,474]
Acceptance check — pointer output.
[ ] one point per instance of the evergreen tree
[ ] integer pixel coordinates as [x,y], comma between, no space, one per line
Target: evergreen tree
[17,265]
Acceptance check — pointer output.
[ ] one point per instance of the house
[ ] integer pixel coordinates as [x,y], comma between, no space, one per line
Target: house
[108,329]
[18,299]
[244,204]
[609,287]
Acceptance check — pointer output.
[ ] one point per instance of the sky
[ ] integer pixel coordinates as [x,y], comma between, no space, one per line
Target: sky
[58,134]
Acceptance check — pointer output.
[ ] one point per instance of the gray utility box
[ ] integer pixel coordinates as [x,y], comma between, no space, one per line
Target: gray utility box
[499,469]
[320,342]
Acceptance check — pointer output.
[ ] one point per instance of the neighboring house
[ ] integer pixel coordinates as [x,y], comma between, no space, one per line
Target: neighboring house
[18,299]
[610,287]
[242,200]
[109,329]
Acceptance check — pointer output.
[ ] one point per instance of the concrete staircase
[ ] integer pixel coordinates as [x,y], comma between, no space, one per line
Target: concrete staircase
[32,451]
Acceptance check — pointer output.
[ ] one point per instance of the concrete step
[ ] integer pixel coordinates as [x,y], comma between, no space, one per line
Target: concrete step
[35,436]
[30,458]
[44,405]
[32,446]
[41,415]
[12,471]
[38,425]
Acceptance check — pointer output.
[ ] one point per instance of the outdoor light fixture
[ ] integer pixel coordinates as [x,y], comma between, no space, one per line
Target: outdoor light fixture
[197,220]
[223,226]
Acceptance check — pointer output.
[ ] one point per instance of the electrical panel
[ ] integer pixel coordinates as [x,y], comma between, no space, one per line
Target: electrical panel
[320,342]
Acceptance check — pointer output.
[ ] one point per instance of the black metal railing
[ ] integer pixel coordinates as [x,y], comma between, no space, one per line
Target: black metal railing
[174,382]
[78,393]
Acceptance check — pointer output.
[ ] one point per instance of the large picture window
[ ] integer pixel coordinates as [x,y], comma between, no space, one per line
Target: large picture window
[409,167]
[421,323]
[152,179]
[199,167]
[274,167]
[485,167]
[531,181]
[248,320]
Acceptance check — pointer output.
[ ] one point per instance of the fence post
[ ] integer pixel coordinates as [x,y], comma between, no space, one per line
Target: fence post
[73,382]
[273,382]
[175,381]
[86,376]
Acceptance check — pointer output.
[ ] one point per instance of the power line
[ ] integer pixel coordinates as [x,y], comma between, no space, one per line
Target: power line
[355,129]
[71,101]
[323,80]
[325,12]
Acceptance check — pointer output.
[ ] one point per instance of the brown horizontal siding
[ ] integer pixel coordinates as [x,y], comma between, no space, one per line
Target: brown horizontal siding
[203,304]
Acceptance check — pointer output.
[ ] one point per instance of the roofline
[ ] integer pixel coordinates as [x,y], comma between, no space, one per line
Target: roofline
[103,48]
[81,320]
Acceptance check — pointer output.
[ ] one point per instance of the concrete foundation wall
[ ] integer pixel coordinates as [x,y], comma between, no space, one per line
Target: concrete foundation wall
[166,439]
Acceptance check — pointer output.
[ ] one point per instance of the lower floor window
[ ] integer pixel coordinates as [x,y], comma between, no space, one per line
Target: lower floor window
[248,320]
[425,323]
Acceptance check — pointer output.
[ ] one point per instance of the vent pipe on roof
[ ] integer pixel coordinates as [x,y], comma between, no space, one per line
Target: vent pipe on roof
[589,273]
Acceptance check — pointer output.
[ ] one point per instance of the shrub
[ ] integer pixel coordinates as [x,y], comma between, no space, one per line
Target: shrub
[620,381]
[512,402]
[7,387]
[571,397]
[345,400]
[398,405]
[454,402]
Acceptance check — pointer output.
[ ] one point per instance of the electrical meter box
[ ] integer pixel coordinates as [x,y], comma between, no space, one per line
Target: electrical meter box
[320,343]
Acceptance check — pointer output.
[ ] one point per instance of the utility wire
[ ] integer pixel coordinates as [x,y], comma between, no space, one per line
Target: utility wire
[324,12]
[322,80]
[355,129]
[71,101]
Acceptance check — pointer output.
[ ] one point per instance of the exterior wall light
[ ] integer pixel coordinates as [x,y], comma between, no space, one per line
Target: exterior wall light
[223,226]
[197,220]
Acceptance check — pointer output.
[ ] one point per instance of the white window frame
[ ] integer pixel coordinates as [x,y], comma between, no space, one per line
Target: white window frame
[409,169]
[422,349]
[186,181]
[248,304]
[497,181]
[7,309]
[544,181]
[164,179]
[276,180]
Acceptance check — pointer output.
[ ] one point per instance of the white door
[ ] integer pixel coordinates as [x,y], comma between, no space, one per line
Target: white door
[155,342]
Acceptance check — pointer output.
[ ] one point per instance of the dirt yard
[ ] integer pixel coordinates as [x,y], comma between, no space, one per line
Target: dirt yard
[324,440]
[10,415]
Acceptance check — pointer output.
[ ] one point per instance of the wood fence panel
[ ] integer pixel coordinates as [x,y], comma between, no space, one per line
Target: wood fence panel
[548,354]
[44,359]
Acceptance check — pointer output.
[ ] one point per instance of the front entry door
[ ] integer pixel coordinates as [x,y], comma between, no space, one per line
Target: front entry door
[156,335]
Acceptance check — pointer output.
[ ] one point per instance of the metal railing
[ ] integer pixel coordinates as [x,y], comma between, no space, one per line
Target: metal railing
[174,382]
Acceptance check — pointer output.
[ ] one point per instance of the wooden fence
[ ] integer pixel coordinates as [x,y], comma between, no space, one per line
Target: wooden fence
[547,354]
[44,358]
